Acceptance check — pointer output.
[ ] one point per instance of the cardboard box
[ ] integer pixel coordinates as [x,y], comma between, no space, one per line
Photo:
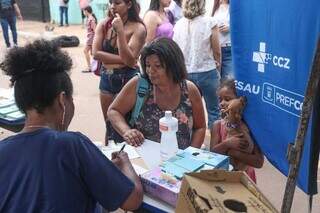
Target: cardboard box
[161,185]
[164,181]
[221,191]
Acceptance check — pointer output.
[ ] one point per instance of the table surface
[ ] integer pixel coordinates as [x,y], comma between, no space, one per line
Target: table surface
[149,158]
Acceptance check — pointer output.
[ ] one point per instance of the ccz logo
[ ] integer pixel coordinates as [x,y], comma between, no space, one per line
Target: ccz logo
[262,58]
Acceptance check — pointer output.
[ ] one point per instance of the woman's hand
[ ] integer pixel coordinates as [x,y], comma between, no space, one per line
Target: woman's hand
[120,159]
[224,28]
[117,24]
[133,137]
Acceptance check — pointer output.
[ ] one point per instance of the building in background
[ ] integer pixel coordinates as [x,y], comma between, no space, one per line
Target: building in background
[37,10]
[99,8]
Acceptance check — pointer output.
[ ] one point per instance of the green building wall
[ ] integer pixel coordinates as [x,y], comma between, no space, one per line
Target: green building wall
[74,14]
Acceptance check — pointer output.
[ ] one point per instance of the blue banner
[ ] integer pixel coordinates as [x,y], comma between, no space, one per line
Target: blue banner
[273,46]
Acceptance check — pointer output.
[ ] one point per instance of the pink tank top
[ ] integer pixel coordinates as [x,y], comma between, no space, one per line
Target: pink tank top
[165,30]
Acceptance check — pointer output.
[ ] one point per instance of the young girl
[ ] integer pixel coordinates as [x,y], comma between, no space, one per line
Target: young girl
[90,25]
[237,145]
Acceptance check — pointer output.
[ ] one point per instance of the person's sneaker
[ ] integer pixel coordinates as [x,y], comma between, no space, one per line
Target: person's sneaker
[15,45]
[67,25]
[61,25]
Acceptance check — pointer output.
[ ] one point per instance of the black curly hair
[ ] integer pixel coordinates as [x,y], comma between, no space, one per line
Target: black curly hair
[39,72]
[170,56]
[230,84]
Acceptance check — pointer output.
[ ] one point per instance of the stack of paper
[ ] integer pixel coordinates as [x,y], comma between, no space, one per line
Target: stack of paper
[192,160]
[9,111]
[112,147]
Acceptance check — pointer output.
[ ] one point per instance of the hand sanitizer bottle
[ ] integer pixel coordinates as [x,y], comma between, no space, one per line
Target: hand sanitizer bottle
[168,126]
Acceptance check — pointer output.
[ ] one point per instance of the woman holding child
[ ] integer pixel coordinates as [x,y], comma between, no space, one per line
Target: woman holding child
[163,65]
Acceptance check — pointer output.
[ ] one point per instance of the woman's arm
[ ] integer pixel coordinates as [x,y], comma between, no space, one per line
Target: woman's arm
[129,51]
[17,10]
[151,22]
[123,103]
[98,54]
[215,45]
[133,201]
[199,123]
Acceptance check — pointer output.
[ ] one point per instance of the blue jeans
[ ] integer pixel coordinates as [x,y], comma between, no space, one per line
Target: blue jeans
[208,83]
[5,23]
[63,10]
[226,65]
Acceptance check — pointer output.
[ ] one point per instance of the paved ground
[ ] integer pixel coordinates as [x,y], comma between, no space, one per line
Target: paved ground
[88,116]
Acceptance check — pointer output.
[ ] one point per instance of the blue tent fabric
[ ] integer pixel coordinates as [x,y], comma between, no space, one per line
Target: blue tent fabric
[273,45]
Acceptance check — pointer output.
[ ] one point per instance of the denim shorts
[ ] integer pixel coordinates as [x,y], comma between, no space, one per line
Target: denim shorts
[112,82]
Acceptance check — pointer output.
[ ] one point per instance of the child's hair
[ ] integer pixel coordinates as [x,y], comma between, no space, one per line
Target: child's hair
[230,84]
[89,10]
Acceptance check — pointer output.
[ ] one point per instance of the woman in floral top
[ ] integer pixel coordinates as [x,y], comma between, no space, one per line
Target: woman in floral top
[163,65]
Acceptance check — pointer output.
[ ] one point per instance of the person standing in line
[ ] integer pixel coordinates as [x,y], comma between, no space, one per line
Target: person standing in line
[91,23]
[221,14]
[117,43]
[175,11]
[9,11]
[83,4]
[197,36]
[63,11]
[157,21]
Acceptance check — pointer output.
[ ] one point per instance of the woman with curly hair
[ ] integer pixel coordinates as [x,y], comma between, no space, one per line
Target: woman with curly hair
[197,36]
[46,168]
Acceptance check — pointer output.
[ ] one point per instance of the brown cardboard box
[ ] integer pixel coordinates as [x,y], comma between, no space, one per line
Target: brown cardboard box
[221,191]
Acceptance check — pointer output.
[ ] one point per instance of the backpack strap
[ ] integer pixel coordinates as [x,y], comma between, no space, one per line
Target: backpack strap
[142,90]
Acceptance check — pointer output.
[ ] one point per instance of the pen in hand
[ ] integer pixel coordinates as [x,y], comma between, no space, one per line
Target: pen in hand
[122,148]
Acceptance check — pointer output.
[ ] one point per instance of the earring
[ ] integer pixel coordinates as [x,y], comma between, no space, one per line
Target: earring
[63,118]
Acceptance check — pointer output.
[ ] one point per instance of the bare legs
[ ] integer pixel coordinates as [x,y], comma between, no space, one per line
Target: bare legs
[87,54]
[105,101]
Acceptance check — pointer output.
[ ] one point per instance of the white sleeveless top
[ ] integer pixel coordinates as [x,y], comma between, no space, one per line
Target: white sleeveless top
[193,37]
[222,17]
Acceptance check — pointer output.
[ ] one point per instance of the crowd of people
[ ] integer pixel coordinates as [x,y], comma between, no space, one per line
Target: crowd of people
[183,54]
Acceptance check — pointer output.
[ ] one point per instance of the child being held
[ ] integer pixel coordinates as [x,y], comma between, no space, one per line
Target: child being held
[231,136]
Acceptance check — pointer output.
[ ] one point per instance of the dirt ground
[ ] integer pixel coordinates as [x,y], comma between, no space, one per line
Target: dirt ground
[88,117]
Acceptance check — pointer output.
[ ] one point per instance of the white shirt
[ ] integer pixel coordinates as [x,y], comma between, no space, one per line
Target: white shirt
[62,4]
[193,37]
[222,17]
[175,10]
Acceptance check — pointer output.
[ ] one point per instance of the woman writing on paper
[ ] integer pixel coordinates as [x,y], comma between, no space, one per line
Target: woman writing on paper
[46,168]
